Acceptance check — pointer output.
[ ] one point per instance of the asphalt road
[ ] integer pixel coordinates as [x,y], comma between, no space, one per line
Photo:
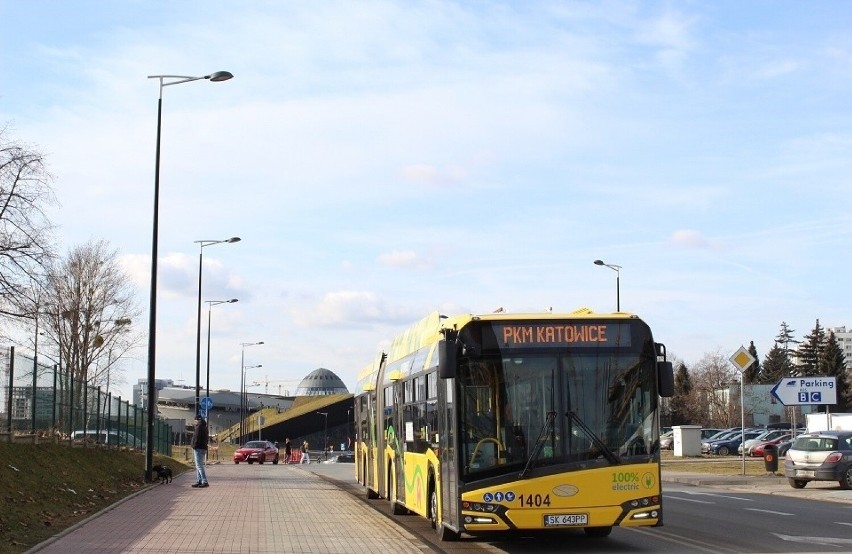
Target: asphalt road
[729,516]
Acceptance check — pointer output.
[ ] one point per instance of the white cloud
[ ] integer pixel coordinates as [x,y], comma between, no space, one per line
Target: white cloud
[404,259]
[690,238]
[350,308]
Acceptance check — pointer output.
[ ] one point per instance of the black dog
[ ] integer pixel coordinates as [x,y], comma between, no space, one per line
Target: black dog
[164,473]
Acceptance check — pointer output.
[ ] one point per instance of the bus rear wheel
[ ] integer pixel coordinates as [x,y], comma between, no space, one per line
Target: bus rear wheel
[433,508]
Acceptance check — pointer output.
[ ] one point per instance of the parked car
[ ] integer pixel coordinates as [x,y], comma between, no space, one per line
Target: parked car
[822,456]
[256,451]
[707,432]
[721,435]
[345,458]
[784,447]
[112,438]
[757,449]
[667,441]
[729,445]
[767,435]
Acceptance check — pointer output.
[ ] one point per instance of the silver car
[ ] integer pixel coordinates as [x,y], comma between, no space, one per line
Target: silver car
[822,456]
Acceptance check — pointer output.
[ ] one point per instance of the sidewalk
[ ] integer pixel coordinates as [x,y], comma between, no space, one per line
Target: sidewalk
[247,508]
[775,484]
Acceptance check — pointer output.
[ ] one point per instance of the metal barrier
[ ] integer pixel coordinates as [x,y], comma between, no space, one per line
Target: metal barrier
[44,403]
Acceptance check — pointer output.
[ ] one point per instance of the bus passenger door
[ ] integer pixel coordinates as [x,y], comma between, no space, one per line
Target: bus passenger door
[448,451]
[396,441]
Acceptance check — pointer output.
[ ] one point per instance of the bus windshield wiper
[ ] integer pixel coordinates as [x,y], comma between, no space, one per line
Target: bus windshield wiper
[539,442]
[605,450]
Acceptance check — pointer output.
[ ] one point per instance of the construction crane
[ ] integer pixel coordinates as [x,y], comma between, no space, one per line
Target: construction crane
[265,382]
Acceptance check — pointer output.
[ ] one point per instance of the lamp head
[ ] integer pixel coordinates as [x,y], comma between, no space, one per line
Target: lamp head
[599,262]
[219,76]
[233,239]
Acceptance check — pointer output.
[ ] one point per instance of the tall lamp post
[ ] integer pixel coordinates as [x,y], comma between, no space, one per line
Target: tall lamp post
[244,397]
[617,269]
[243,386]
[202,244]
[210,304]
[165,81]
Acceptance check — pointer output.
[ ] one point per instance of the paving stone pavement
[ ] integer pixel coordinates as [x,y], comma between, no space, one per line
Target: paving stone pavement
[247,509]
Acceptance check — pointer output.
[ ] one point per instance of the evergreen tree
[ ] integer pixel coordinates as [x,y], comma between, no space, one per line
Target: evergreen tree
[751,375]
[833,364]
[776,365]
[810,352]
[681,401]
[786,337]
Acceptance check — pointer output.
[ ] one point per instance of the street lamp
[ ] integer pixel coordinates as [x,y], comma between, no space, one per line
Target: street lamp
[165,81]
[210,304]
[202,244]
[244,400]
[325,434]
[617,269]
[243,385]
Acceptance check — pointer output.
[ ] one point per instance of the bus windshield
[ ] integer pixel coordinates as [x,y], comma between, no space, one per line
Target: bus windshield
[581,409]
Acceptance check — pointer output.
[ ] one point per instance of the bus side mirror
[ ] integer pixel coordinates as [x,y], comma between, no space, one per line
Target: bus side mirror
[447,351]
[665,377]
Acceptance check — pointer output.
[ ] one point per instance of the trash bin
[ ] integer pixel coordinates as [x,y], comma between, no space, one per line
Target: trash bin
[770,458]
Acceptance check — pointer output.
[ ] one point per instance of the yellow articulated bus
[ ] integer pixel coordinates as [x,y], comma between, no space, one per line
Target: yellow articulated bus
[507,422]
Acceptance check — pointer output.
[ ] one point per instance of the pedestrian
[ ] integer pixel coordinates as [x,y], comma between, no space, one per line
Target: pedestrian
[306,457]
[199,449]
[288,451]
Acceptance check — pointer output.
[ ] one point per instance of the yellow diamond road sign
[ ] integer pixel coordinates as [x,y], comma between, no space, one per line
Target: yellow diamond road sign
[742,359]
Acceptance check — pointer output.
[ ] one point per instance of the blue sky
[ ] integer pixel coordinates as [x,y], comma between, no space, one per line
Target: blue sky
[381,160]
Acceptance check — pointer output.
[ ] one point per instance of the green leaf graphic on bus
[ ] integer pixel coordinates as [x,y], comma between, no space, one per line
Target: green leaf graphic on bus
[393,441]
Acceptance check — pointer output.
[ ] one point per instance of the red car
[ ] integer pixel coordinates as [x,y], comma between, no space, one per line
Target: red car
[257,451]
[758,449]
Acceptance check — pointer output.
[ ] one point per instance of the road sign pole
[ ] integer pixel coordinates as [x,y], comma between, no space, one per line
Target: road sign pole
[742,360]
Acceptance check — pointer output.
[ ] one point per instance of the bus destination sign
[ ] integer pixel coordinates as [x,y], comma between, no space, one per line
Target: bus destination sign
[515,335]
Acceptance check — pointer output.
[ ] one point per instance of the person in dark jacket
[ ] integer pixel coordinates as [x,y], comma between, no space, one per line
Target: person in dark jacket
[288,451]
[199,449]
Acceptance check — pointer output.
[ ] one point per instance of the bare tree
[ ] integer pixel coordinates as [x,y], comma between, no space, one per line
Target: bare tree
[713,377]
[90,307]
[25,230]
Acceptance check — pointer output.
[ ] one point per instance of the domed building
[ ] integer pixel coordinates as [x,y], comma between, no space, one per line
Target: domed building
[321,382]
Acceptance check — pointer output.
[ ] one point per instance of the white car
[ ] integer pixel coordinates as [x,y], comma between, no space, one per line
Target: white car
[112,438]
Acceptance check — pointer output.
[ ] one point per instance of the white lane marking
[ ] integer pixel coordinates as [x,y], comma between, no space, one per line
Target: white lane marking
[824,541]
[769,512]
[713,495]
[670,497]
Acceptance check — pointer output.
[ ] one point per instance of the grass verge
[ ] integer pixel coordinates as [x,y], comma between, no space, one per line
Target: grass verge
[46,488]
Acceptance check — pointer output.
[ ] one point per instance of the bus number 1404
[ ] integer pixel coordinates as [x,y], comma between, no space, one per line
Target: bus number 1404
[534,500]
